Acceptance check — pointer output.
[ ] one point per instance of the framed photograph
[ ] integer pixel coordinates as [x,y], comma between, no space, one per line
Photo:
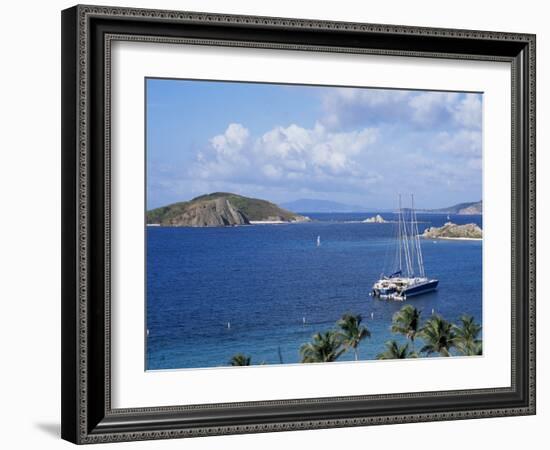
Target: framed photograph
[279,224]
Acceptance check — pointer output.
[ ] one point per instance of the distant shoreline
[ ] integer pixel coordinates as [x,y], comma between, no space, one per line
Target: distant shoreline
[283,222]
[252,222]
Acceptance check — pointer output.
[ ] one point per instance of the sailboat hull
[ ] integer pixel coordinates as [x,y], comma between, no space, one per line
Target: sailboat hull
[402,288]
[421,288]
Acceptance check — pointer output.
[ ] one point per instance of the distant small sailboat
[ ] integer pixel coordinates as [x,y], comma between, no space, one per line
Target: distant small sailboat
[318,241]
[448,218]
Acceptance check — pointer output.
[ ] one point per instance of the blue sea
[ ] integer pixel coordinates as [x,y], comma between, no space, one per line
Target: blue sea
[215,292]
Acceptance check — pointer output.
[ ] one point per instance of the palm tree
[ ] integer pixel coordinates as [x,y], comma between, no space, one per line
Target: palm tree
[325,347]
[466,341]
[394,351]
[406,321]
[352,332]
[477,349]
[240,360]
[438,336]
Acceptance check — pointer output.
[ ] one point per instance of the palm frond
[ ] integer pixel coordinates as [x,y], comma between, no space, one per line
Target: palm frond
[352,332]
[324,347]
[438,336]
[395,351]
[240,360]
[467,333]
[406,321]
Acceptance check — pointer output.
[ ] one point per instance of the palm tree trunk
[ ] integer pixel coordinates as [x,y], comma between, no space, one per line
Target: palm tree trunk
[356,354]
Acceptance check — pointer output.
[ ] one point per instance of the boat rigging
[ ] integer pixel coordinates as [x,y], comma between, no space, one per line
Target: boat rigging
[408,277]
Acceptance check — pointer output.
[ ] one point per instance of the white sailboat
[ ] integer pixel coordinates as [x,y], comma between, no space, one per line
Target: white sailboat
[318,241]
[408,277]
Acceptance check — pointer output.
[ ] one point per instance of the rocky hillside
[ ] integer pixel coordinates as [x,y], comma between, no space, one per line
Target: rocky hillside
[474,208]
[461,208]
[220,209]
[453,231]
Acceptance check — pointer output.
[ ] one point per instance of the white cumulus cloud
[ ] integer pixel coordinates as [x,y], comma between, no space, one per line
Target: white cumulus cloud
[424,109]
[462,143]
[302,156]
[231,141]
[468,112]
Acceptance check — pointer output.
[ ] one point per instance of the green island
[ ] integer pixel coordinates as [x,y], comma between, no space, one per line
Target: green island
[221,209]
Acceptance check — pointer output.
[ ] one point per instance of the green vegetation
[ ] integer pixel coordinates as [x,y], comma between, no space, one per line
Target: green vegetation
[466,336]
[438,335]
[256,209]
[253,209]
[324,347]
[352,333]
[395,351]
[406,321]
[240,360]
[165,213]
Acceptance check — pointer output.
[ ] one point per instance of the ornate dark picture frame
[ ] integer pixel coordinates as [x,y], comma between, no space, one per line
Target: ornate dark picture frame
[87,33]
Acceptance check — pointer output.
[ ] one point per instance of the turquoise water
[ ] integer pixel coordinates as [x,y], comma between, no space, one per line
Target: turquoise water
[265,279]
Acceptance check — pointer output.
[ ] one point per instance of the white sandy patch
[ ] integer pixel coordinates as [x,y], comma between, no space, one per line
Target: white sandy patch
[267,222]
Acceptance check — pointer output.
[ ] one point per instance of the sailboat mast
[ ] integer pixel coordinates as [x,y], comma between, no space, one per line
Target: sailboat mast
[412,237]
[405,238]
[400,234]
[419,257]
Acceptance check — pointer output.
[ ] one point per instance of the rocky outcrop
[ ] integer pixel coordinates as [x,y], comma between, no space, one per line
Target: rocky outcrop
[376,219]
[298,218]
[219,210]
[453,231]
[212,213]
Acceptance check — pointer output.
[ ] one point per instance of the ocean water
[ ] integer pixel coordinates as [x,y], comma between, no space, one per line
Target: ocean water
[264,280]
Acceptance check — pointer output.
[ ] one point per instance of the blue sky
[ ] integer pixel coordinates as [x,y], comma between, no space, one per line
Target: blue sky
[281,143]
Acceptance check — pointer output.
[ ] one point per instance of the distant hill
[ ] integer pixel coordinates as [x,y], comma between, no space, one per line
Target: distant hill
[220,209]
[322,206]
[461,208]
